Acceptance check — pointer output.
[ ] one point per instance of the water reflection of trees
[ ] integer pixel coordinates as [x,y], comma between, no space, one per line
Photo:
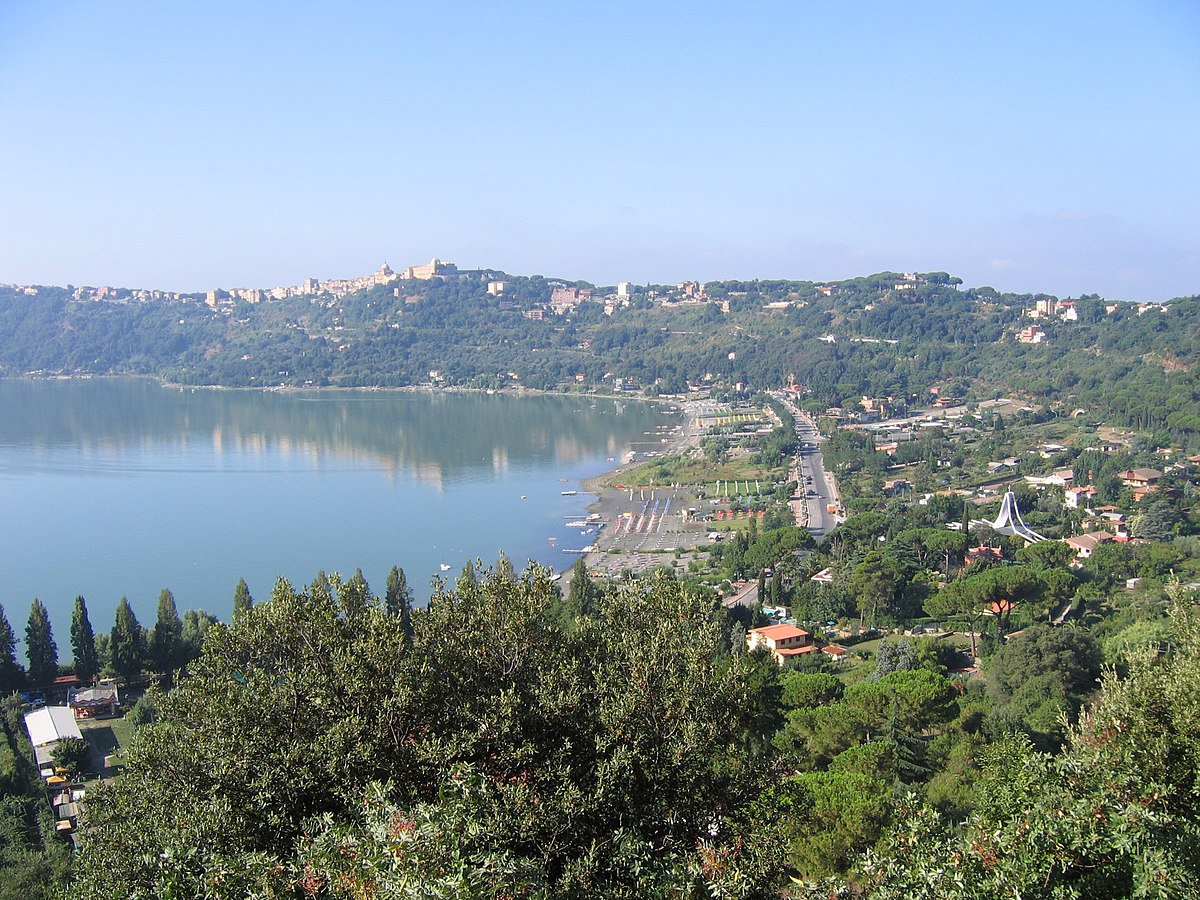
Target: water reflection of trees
[427,435]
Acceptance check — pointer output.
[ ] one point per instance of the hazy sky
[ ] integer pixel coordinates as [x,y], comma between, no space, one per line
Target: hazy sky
[1049,146]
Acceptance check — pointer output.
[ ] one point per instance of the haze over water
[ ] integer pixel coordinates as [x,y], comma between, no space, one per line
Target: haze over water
[116,487]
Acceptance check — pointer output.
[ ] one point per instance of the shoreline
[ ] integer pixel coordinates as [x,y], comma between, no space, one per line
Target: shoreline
[515,390]
[679,441]
[606,496]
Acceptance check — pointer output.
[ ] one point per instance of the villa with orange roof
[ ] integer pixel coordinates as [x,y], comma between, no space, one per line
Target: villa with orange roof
[1143,481]
[783,641]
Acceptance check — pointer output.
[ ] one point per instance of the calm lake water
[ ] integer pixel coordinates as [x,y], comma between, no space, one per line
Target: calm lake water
[116,487]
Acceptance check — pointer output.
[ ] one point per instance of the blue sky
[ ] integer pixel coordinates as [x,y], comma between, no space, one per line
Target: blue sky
[1048,146]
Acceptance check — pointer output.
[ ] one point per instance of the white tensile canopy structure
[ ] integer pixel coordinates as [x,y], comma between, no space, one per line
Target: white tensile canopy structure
[1010,522]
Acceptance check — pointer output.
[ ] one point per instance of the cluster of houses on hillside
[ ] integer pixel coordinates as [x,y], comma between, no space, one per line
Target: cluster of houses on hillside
[566,296]
[1049,308]
[1105,522]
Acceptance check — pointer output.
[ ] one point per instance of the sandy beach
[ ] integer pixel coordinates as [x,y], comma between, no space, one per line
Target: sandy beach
[643,528]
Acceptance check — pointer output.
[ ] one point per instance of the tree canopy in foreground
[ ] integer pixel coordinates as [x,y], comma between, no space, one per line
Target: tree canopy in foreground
[314,749]
[325,746]
[1116,815]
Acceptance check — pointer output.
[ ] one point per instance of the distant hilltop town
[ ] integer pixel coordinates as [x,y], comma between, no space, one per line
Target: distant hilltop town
[557,297]
[335,287]
[564,297]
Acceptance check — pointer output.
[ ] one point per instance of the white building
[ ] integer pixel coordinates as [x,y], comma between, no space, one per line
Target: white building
[47,726]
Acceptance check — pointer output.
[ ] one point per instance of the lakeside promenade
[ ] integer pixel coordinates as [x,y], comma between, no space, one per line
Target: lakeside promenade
[644,527]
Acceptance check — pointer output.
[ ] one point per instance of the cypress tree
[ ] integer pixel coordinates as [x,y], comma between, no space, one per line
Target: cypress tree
[359,582]
[40,647]
[165,651]
[583,596]
[504,568]
[467,578]
[355,594]
[320,589]
[398,599]
[242,600]
[12,675]
[83,643]
[128,644]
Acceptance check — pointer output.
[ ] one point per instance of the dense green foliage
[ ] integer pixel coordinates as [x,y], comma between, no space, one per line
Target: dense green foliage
[1126,365]
[12,673]
[34,860]
[127,646]
[609,744]
[1115,815]
[589,761]
[40,649]
[72,754]
[166,640]
[242,600]
[83,643]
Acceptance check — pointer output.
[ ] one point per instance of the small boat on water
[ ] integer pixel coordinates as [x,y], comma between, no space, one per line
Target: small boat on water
[445,567]
[569,493]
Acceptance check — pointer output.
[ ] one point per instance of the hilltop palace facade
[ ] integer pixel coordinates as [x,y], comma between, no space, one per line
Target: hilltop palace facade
[336,287]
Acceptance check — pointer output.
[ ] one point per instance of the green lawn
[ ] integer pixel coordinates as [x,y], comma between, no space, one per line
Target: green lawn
[866,646]
[109,738]
[689,469]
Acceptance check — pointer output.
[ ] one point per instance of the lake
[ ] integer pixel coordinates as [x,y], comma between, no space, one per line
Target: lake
[121,487]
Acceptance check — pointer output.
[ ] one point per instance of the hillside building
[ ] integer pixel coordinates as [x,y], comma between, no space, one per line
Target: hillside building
[784,641]
[435,269]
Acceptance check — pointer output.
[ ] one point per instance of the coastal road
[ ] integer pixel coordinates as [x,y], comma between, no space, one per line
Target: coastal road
[643,528]
[817,489]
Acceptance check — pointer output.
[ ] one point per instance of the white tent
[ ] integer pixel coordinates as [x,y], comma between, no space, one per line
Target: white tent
[50,724]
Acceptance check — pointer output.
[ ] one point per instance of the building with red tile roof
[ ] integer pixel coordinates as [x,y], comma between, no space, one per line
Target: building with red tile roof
[783,641]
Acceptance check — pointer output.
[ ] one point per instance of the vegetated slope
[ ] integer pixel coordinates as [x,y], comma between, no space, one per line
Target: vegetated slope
[884,335]
[34,859]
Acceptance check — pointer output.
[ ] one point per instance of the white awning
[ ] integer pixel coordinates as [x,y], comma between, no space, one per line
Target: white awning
[50,724]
